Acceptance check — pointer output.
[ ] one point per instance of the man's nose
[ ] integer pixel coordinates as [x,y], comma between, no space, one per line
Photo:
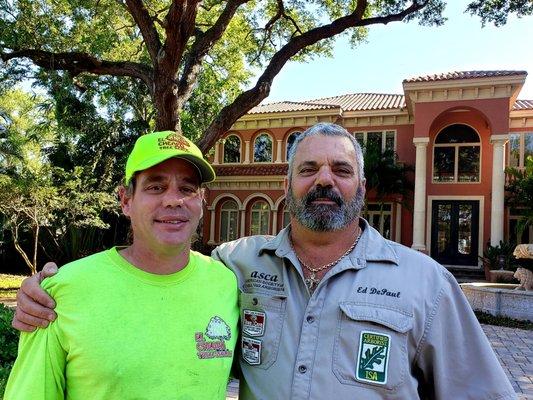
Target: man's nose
[173,199]
[324,176]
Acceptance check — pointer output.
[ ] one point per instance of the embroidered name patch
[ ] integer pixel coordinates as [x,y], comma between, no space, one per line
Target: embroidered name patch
[373,358]
[251,350]
[217,333]
[253,323]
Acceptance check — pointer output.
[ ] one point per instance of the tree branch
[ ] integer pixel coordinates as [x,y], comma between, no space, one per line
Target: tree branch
[78,63]
[252,97]
[201,47]
[146,25]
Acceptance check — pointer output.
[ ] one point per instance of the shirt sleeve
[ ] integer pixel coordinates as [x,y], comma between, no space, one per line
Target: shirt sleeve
[39,370]
[454,357]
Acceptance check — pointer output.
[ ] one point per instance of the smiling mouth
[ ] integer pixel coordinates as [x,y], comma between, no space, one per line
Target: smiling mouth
[170,222]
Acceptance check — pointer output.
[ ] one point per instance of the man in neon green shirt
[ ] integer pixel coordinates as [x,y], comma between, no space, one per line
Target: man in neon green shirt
[153,320]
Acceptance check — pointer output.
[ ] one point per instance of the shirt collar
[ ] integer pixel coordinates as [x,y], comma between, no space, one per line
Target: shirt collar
[371,247]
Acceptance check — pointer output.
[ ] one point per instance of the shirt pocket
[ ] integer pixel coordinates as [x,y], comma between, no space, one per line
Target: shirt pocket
[371,345]
[262,319]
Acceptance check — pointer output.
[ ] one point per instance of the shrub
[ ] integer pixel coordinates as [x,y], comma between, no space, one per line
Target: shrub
[9,338]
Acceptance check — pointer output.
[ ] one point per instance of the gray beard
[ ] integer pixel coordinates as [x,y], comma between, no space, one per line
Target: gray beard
[325,217]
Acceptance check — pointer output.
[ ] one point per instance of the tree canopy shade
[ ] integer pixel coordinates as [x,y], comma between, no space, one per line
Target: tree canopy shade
[181,47]
[171,45]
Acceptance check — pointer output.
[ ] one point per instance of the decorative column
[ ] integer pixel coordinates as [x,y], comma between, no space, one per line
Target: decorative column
[246,152]
[211,226]
[398,224]
[216,158]
[278,151]
[243,222]
[498,188]
[419,215]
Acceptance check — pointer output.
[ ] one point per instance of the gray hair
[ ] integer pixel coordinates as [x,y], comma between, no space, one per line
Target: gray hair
[327,129]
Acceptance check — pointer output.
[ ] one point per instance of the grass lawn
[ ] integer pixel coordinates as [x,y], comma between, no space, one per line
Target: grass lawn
[9,285]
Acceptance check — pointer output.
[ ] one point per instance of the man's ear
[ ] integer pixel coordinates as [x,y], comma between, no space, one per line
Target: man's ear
[286,185]
[125,200]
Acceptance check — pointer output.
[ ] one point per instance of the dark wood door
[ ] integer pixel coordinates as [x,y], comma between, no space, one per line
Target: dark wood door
[455,232]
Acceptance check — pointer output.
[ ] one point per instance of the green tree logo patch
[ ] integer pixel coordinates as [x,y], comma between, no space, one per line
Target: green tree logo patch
[373,358]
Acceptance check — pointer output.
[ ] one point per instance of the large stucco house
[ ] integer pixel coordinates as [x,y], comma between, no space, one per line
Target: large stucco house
[458,130]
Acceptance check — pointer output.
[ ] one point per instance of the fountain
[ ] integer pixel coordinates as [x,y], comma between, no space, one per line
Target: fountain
[506,300]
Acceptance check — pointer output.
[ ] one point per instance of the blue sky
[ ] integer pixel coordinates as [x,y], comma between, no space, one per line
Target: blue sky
[403,50]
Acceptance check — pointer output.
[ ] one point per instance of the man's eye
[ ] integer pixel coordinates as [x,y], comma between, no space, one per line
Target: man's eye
[343,171]
[307,171]
[154,188]
[188,190]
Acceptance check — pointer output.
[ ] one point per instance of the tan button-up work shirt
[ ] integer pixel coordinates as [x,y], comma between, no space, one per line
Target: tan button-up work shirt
[386,322]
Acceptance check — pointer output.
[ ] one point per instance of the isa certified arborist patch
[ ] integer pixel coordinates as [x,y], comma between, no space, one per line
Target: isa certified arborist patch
[251,350]
[373,358]
[253,323]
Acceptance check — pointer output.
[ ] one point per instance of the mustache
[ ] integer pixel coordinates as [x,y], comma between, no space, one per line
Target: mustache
[321,192]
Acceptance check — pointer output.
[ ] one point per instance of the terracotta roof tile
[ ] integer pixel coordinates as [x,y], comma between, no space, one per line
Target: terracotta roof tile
[523,105]
[347,102]
[251,169]
[365,101]
[448,76]
[286,106]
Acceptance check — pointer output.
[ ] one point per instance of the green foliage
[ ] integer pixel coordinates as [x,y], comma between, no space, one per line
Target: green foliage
[492,255]
[497,11]
[8,345]
[53,200]
[386,175]
[520,193]
[489,319]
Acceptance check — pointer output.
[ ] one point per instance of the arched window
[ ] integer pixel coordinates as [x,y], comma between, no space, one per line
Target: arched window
[290,141]
[260,218]
[232,149]
[456,155]
[263,148]
[229,221]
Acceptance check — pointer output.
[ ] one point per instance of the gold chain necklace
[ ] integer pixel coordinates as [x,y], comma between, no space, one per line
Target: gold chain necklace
[312,281]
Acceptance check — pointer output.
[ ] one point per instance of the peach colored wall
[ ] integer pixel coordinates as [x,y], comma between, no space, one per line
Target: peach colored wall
[496,112]
[487,117]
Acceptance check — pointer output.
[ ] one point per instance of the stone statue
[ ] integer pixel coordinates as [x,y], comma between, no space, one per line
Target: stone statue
[524,275]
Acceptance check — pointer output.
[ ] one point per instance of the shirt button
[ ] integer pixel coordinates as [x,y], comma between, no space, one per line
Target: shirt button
[255,301]
[310,319]
[302,369]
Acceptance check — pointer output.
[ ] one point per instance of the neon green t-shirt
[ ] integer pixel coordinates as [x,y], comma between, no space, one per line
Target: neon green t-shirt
[123,333]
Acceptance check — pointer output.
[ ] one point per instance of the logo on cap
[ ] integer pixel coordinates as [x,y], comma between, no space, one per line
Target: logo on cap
[173,141]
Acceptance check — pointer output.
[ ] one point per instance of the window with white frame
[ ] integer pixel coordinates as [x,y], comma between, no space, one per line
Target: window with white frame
[263,148]
[379,216]
[260,218]
[290,141]
[515,215]
[232,149]
[229,221]
[520,146]
[456,155]
[384,140]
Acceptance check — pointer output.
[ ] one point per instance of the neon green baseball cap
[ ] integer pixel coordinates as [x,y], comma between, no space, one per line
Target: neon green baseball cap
[153,148]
